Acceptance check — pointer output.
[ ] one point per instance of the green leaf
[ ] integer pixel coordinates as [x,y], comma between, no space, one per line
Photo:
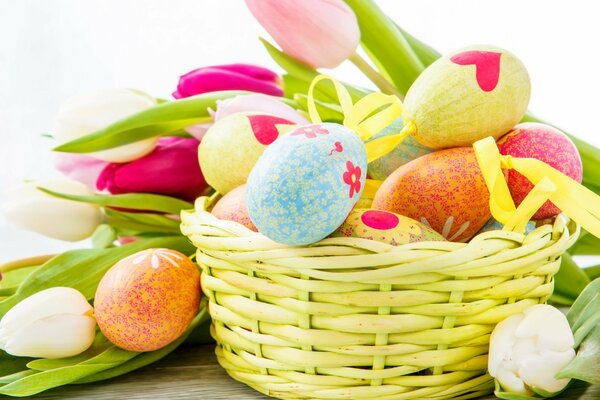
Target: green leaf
[83,269]
[585,298]
[426,54]
[162,119]
[99,346]
[134,201]
[586,365]
[10,365]
[593,272]
[386,43]
[15,277]
[304,73]
[570,280]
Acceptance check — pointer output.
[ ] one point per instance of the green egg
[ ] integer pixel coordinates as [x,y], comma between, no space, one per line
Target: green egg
[467,95]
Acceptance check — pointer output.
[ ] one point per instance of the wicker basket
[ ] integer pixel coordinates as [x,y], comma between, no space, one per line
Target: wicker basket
[349,318]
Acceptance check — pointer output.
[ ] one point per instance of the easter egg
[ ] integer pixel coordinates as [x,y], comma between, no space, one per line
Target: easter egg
[305,184]
[232,207]
[494,225]
[147,300]
[444,190]
[385,226]
[406,151]
[468,95]
[231,147]
[547,144]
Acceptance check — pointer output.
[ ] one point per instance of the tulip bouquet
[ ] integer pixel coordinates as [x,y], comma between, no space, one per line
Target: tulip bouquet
[131,167]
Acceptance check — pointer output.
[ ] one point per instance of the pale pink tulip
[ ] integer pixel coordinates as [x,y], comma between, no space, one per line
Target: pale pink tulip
[320,33]
[84,169]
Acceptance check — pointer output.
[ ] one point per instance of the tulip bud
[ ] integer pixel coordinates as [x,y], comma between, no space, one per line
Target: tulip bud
[527,350]
[89,112]
[53,323]
[228,77]
[320,33]
[36,211]
[84,169]
[171,169]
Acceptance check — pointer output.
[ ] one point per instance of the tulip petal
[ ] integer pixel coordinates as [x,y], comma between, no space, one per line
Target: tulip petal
[56,300]
[84,169]
[320,33]
[258,103]
[502,341]
[56,336]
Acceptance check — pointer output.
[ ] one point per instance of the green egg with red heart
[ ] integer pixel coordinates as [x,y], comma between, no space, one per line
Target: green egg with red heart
[232,145]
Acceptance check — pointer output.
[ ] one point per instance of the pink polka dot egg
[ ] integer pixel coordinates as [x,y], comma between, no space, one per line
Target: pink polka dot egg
[148,300]
[386,227]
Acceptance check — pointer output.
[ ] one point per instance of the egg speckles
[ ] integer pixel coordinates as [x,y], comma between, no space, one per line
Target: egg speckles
[385,226]
[306,182]
[444,190]
[147,300]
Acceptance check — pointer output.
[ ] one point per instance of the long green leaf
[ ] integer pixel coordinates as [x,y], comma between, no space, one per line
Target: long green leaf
[134,201]
[570,279]
[161,119]
[586,365]
[327,111]
[387,44]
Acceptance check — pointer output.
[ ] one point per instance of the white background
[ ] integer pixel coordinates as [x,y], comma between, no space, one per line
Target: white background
[50,50]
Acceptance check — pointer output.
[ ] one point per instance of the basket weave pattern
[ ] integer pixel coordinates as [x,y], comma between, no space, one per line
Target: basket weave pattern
[349,318]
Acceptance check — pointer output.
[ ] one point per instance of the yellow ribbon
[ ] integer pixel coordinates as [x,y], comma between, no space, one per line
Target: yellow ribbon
[366,117]
[579,203]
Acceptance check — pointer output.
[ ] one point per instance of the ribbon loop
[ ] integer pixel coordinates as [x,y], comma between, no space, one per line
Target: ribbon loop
[576,201]
[366,117]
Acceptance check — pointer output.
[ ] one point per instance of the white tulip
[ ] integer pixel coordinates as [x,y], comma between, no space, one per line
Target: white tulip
[527,350]
[89,112]
[53,323]
[34,210]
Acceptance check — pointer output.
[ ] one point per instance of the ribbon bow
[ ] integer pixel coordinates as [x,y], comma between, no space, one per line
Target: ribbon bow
[576,201]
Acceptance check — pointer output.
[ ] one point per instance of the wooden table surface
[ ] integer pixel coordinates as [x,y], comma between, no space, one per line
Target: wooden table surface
[192,372]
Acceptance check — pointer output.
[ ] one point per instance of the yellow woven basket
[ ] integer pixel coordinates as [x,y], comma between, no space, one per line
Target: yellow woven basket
[349,318]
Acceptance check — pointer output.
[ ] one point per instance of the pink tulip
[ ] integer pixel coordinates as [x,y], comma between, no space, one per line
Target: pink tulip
[171,169]
[228,77]
[320,33]
[84,169]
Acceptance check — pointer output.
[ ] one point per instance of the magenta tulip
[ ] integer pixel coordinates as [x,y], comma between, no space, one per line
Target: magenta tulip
[84,169]
[171,169]
[228,77]
[320,33]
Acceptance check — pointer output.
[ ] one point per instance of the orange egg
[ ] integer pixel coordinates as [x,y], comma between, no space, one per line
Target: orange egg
[444,189]
[147,300]
[232,207]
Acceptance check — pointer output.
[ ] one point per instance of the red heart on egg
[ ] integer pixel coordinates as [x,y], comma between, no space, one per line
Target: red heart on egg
[264,127]
[487,66]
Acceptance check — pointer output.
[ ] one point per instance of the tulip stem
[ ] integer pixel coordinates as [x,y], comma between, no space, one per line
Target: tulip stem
[25,262]
[383,84]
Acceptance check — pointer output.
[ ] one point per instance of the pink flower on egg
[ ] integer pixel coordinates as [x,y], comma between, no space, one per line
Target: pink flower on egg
[352,178]
[310,131]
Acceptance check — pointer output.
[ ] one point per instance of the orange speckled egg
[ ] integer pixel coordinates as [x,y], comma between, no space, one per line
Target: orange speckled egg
[232,207]
[147,300]
[444,189]
[385,226]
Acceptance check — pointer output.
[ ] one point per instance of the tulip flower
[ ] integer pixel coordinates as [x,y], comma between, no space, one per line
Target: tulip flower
[34,210]
[527,350]
[84,169]
[171,169]
[320,33]
[228,77]
[53,323]
[89,112]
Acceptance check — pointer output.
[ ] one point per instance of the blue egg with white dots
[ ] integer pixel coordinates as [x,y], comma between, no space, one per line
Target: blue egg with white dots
[306,183]
[406,151]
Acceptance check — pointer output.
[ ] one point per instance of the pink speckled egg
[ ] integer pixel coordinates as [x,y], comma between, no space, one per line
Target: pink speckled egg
[444,190]
[147,300]
[232,207]
[385,226]
[547,144]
